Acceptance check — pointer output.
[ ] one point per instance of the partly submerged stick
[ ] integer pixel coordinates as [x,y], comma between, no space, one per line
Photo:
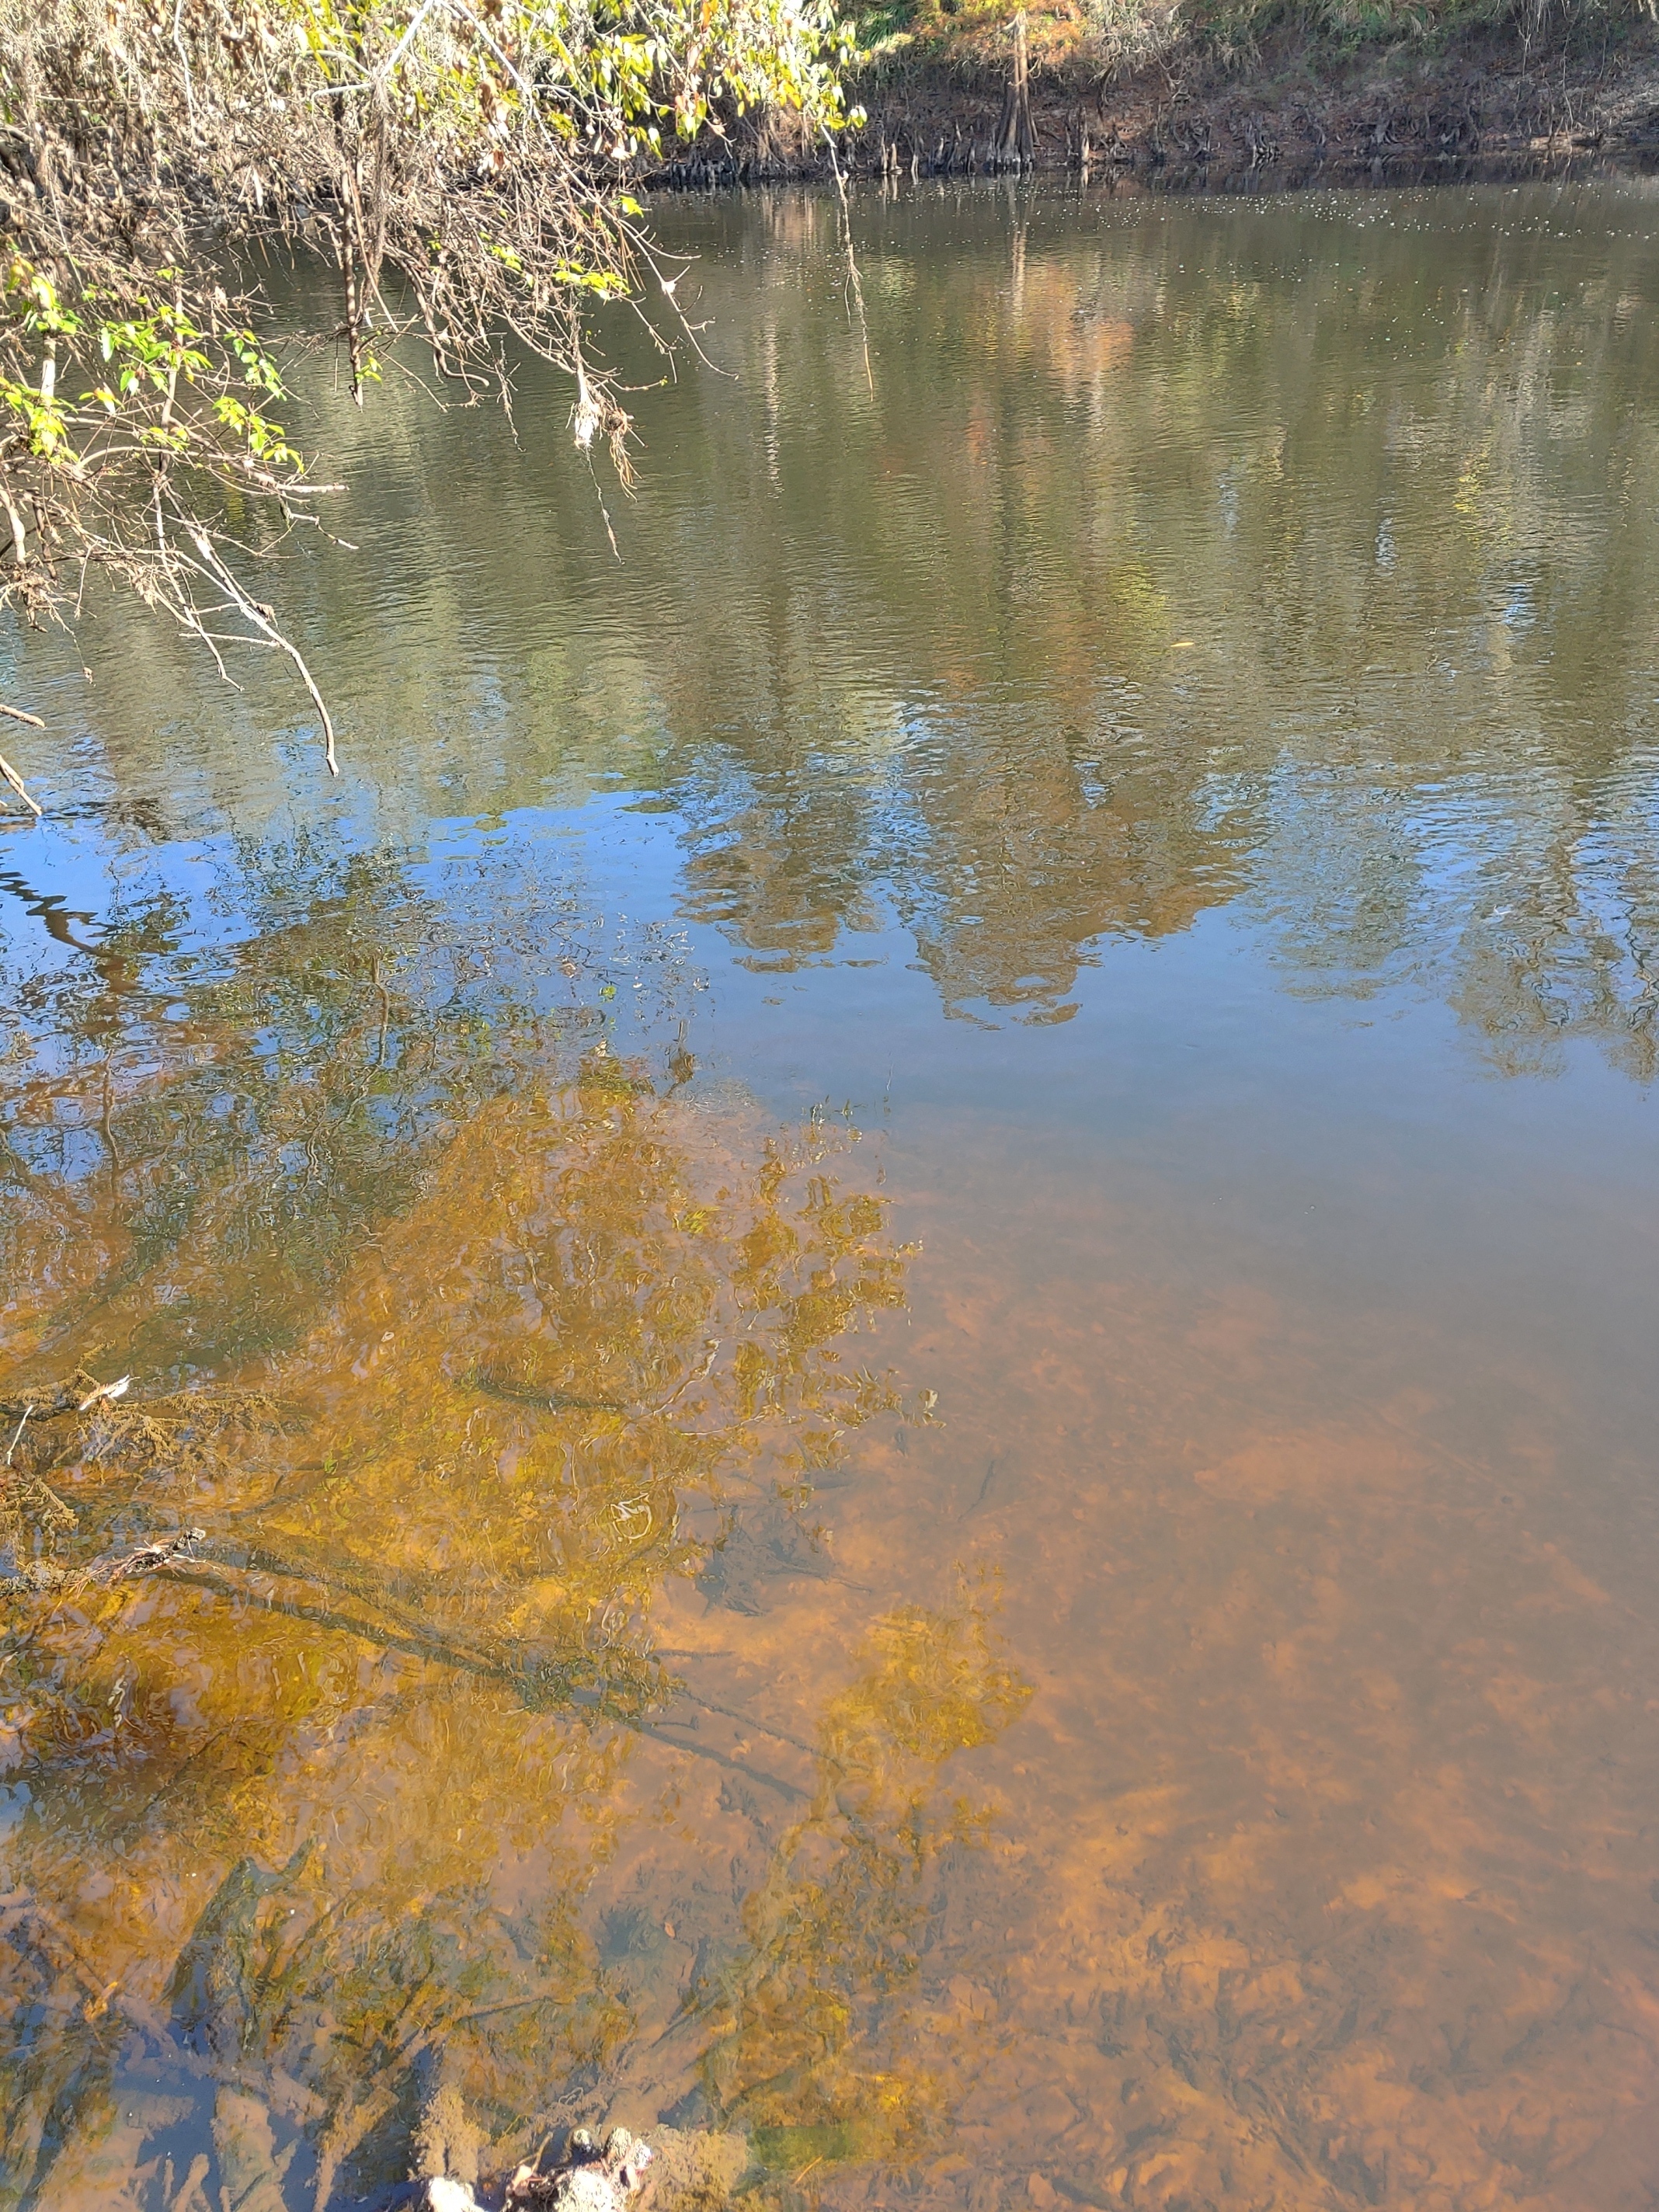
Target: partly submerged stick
[8,771]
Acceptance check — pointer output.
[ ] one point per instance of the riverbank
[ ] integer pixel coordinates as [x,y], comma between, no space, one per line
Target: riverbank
[1294,110]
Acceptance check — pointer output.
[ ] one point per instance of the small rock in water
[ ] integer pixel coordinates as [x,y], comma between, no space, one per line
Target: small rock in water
[444,2195]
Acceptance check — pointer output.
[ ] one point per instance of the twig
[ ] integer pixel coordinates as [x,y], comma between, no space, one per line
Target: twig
[17,1439]
[184,58]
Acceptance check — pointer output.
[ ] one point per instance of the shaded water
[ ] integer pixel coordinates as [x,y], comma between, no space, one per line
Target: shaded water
[938,1212]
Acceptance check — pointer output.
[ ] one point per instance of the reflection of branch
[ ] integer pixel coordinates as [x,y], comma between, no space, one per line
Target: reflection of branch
[851,260]
[511,2004]
[746,1721]
[430,1645]
[408,1632]
[722,1758]
[205,1577]
[369,1589]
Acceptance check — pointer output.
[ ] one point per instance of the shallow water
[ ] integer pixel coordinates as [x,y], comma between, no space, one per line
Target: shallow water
[939,1207]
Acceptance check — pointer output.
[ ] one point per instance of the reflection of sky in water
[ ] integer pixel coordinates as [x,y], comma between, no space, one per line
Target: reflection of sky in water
[1176,766]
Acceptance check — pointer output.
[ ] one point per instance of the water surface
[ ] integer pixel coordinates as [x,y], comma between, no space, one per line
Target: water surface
[904,1274]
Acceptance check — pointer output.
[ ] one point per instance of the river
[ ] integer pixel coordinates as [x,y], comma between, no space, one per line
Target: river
[904,1274]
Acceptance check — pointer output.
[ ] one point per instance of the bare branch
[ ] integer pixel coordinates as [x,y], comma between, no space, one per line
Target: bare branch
[261,620]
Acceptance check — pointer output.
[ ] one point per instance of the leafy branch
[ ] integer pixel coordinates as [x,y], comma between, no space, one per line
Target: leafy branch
[463,166]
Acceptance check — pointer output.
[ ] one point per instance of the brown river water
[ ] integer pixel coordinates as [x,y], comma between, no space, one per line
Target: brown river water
[905,1273]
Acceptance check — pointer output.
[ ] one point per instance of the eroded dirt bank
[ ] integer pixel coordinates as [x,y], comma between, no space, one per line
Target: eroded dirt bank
[1189,120]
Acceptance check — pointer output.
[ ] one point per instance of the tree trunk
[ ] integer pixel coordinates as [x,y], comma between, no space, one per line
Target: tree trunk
[1015,140]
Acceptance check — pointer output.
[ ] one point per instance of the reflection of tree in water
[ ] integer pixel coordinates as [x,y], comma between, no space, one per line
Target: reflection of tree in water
[567,1328]
[932,662]
[823,2044]
[1001,787]
[191,1142]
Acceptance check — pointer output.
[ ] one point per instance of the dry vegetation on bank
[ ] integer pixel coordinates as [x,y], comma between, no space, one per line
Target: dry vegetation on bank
[1225,91]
